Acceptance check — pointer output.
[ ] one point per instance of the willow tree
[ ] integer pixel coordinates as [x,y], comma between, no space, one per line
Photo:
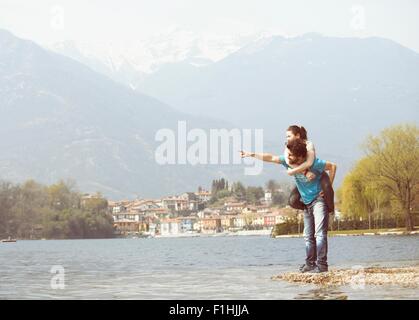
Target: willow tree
[351,197]
[361,195]
[395,153]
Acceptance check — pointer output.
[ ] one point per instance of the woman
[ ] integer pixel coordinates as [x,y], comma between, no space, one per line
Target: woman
[297,132]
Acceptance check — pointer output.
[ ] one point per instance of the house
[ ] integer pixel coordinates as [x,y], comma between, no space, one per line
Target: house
[269,220]
[249,209]
[208,212]
[159,213]
[175,203]
[268,197]
[125,215]
[234,206]
[146,222]
[118,206]
[277,216]
[203,196]
[143,205]
[153,229]
[125,226]
[187,201]
[227,222]
[211,225]
[169,227]
[239,221]
[258,220]
[197,226]
[192,200]
[187,223]
[264,208]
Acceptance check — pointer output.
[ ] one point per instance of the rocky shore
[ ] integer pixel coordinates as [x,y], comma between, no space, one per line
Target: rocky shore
[404,276]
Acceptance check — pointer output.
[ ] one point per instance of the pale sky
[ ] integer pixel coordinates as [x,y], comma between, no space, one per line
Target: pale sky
[47,21]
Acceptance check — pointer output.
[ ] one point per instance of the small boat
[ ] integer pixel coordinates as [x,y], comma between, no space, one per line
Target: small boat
[8,240]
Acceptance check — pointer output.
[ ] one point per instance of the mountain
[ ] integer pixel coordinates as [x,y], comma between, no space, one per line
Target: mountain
[103,60]
[340,89]
[62,120]
[129,63]
[66,119]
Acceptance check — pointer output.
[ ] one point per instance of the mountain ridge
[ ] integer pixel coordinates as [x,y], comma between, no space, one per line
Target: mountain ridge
[66,121]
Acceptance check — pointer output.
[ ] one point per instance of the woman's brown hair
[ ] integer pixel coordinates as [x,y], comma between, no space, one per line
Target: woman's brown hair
[300,130]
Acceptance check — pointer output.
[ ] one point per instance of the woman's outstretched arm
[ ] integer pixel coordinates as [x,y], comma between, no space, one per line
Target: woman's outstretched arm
[311,155]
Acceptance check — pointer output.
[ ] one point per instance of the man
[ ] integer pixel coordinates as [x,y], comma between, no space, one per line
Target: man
[316,216]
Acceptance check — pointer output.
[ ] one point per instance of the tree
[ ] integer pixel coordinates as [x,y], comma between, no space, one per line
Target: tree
[279,197]
[350,195]
[361,194]
[395,153]
[8,197]
[32,210]
[239,190]
[253,194]
[96,204]
[62,196]
[218,185]
[248,219]
[32,197]
[272,186]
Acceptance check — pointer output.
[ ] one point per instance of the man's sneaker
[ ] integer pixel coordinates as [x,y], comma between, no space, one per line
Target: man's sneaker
[318,269]
[307,267]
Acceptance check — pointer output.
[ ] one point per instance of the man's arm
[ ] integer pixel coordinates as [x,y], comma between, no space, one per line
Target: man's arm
[331,167]
[261,156]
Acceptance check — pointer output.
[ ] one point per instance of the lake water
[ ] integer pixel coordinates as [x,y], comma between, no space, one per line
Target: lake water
[234,267]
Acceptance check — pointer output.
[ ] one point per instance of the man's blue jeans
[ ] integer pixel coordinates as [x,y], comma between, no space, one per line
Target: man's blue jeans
[316,220]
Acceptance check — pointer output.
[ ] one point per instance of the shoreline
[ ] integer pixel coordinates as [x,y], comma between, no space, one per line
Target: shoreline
[405,276]
[248,233]
[266,232]
[356,234]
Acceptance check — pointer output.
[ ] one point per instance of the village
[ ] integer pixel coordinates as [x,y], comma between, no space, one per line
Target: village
[189,214]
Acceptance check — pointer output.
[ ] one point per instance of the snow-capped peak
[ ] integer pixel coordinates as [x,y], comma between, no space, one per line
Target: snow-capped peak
[147,55]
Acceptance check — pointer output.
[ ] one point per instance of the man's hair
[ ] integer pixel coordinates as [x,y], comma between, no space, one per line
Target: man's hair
[297,148]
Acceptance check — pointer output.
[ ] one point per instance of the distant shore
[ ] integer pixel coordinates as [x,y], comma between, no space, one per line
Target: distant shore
[366,232]
[264,232]
[267,232]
